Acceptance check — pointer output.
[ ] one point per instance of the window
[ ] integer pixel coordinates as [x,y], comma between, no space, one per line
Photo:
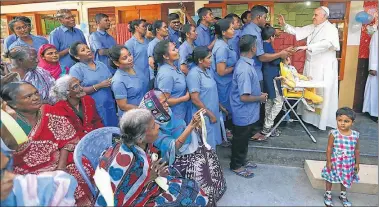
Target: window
[296,14]
[237,8]
[48,24]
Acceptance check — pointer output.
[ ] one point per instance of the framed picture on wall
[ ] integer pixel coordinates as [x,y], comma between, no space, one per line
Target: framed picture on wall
[182,16]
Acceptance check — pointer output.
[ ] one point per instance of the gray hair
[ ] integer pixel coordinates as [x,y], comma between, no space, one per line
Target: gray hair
[134,124]
[324,12]
[18,54]
[60,90]
[62,12]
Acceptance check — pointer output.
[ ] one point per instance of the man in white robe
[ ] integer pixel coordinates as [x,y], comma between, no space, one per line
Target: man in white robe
[370,103]
[320,64]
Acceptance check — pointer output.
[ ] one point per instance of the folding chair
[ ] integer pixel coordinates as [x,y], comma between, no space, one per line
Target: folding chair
[287,97]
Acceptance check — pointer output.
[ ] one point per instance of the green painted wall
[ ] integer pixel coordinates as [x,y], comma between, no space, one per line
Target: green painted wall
[296,14]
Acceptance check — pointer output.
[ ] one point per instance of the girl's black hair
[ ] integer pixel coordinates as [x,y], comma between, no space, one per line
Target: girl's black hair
[160,50]
[12,22]
[149,27]
[186,29]
[347,112]
[9,92]
[199,53]
[244,16]
[134,23]
[157,25]
[267,32]
[247,42]
[73,51]
[221,26]
[114,54]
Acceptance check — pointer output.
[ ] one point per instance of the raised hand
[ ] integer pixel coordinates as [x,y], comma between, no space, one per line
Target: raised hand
[281,20]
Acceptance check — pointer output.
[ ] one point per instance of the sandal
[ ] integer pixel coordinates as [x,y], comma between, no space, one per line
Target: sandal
[258,137]
[251,165]
[328,200]
[344,201]
[244,173]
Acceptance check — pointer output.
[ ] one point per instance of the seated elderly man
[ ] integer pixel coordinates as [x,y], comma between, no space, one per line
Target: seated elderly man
[133,168]
[24,62]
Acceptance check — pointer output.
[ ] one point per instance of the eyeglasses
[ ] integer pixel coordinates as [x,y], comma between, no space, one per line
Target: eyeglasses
[175,22]
[25,27]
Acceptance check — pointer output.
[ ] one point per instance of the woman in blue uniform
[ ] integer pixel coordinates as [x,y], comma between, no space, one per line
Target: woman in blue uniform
[126,84]
[188,35]
[203,90]
[95,78]
[170,79]
[137,46]
[224,59]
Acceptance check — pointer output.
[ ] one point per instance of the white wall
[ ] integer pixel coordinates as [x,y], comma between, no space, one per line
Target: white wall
[354,33]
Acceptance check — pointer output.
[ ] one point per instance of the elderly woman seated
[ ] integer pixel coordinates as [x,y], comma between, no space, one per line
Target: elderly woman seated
[133,168]
[51,135]
[24,61]
[75,105]
[183,148]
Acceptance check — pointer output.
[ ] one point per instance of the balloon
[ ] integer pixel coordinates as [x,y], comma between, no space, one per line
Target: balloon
[364,17]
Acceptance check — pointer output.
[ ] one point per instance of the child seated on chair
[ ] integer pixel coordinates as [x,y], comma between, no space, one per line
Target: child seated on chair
[290,77]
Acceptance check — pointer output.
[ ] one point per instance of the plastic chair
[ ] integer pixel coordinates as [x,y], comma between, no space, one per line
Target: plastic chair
[290,96]
[91,146]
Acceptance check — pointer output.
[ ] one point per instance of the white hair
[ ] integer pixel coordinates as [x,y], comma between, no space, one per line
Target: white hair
[61,88]
[326,15]
[134,124]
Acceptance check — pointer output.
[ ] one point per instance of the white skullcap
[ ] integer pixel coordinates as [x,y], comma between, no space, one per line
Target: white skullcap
[326,10]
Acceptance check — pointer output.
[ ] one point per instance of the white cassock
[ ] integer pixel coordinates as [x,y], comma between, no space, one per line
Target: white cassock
[321,64]
[370,103]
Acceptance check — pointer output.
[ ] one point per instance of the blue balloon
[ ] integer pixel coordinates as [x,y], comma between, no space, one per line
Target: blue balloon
[364,17]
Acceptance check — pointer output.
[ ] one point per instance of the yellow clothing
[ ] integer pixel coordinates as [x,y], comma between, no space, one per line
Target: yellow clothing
[291,76]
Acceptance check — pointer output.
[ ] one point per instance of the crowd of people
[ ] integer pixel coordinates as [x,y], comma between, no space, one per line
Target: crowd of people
[156,89]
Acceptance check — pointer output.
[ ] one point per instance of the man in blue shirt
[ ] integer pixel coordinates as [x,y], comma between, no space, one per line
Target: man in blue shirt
[258,19]
[173,29]
[100,41]
[245,100]
[204,37]
[66,34]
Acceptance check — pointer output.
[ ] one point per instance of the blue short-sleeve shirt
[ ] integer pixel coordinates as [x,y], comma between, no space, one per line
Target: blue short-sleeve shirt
[202,82]
[105,103]
[173,81]
[173,36]
[8,41]
[245,81]
[127,86]
[203,36]
[253,29]
[222,52]
[234,42]
[62,38]
[185,50]
[150,53]
[141,59]
[101,40]
[38,41]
